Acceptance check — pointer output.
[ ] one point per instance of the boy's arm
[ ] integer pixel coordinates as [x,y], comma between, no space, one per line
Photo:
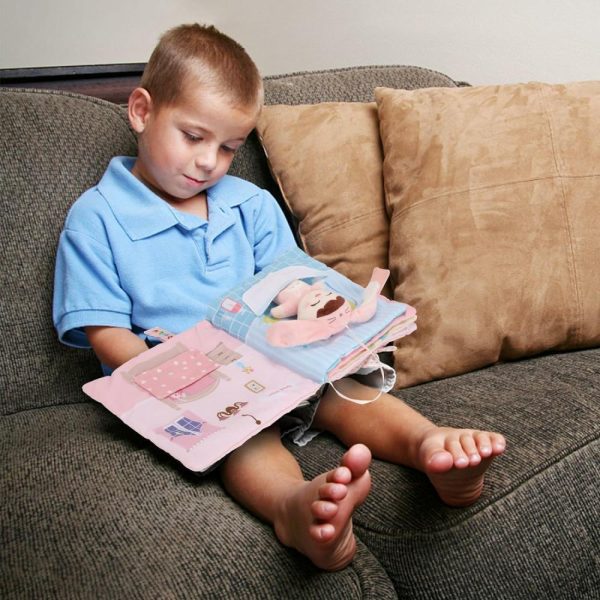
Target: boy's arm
[272,234]
[114,345]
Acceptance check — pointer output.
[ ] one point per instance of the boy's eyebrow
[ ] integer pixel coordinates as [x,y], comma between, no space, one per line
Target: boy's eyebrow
[201,128]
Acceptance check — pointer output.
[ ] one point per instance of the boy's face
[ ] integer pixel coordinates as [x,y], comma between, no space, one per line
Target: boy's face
[187,147]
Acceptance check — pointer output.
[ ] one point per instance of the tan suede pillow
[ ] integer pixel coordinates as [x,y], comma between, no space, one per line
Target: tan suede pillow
[494,200]
[327,160]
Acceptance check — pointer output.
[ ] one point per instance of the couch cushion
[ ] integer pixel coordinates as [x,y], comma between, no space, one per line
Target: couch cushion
[533,533]
[97,512]
[53,147]
[494,199]
[327,160]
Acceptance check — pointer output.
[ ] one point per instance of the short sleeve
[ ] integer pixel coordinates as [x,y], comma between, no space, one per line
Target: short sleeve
[87,290]
[272,234]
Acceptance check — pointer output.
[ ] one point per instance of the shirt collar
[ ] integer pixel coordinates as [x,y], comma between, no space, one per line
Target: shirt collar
[139,211]
[142,213]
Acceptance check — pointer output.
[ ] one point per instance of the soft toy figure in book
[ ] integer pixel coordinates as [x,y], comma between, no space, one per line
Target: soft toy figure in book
[320,312]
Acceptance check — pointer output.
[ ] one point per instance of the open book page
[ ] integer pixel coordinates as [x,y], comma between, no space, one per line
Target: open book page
[205,391]
[322,360]
[201,394]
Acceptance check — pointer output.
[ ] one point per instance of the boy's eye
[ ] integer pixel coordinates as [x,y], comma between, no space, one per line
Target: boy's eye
[191,137]
[229,149]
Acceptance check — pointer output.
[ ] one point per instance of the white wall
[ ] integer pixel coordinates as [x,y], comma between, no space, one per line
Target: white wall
[481,41]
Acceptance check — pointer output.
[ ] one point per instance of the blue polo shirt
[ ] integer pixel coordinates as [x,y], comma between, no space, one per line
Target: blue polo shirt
[126,258]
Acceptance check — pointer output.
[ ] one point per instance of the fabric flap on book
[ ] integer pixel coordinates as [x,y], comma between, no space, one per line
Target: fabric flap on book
[175,373]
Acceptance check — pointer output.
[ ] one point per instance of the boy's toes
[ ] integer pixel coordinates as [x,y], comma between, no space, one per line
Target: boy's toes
[341,475]
[322,533]
[333,491]
[484,443]
[357,460]
[498,443]
[460,458]
[470,449]
[490,444]
[323,510]
[440,461]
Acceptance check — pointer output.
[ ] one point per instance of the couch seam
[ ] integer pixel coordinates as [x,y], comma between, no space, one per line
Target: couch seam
[360,575]
[543,468]
[63,404]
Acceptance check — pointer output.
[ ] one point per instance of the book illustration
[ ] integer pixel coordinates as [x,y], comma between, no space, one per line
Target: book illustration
[230,410]
[223,355]
[245,368]
[233,410]
[322,348]
[194,431]
[187,430]
[319,311]
[251,417]
[255,387]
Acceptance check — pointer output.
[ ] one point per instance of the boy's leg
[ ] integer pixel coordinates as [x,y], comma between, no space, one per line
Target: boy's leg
[455,460]
[314,517]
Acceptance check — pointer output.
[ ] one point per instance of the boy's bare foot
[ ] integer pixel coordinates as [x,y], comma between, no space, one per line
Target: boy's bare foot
[316,518]
[455,461]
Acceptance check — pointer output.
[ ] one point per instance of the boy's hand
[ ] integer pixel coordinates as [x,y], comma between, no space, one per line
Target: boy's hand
[114,345]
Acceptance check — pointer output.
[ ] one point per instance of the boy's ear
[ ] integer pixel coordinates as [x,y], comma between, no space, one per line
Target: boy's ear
[139,108]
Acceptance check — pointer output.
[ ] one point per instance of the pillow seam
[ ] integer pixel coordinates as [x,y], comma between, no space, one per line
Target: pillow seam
[484,188]
[347,221]
[567,223]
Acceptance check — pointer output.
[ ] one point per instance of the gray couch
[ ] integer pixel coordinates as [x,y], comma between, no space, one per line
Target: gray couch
[89,509]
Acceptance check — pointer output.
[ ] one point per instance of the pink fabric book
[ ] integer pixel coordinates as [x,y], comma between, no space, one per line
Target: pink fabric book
[200,394]
[204,392]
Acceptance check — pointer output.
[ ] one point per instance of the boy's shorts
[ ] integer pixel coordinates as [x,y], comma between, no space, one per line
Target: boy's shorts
[296,425]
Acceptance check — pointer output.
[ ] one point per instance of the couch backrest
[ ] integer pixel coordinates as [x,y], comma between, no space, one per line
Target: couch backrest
[53,146]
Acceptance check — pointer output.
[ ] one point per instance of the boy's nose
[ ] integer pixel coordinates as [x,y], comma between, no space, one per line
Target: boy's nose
[207,160]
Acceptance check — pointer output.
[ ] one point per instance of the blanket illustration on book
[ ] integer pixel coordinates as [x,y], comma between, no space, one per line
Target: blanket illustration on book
[266,346]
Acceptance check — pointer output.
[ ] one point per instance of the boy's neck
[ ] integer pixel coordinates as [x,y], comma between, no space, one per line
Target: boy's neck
[197,205]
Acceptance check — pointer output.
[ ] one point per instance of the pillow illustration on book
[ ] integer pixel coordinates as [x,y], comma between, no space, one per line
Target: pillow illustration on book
[203,392]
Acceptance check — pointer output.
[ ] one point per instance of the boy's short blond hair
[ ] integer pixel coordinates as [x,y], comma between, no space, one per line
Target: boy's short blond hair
[200,54]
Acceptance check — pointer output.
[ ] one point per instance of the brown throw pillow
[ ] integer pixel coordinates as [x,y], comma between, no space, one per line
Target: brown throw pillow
[494,200]
[327,160]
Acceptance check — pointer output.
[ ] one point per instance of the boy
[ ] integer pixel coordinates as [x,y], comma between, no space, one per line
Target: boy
[167,232]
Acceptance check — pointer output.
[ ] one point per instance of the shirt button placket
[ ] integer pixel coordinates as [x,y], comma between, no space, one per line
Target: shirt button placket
[199,236]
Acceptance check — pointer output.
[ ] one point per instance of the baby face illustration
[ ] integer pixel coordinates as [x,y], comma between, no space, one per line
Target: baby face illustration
[321,302]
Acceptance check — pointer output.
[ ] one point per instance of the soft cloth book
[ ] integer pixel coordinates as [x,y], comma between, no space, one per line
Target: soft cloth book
[266,347]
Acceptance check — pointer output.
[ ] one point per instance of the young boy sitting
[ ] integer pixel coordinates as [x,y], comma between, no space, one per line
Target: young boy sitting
[164,234]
